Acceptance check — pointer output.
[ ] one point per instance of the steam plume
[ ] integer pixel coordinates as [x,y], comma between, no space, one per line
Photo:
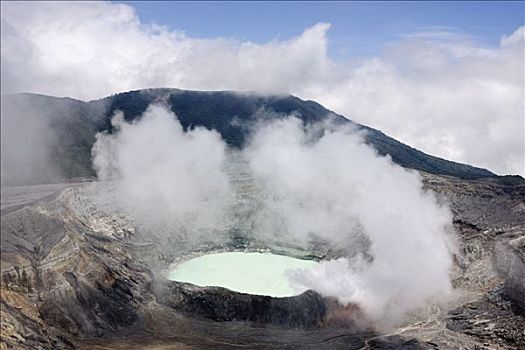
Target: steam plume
[171,181]
[319,181]
[336,187]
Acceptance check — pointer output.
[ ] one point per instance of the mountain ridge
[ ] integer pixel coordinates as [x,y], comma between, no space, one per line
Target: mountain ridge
[228,112]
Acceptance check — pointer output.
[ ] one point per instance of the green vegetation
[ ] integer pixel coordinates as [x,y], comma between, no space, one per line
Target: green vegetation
[75,124]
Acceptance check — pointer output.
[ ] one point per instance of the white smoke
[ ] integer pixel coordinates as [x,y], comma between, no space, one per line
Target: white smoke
[318,181]
[28,142]
[170,180]
[337,187]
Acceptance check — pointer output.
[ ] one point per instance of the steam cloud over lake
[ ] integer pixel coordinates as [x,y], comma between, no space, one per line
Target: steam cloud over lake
[315,182]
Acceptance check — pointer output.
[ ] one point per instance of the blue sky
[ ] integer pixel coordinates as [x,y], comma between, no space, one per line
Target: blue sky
[358,28]
[457,93]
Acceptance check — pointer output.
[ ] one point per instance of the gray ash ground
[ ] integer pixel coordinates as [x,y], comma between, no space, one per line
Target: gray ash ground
[491,320]
[74,276]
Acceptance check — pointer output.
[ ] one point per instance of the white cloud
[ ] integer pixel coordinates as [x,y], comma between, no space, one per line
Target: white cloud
[453,99]
[444,94]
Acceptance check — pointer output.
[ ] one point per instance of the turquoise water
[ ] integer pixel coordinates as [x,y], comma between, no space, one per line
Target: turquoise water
[253,273]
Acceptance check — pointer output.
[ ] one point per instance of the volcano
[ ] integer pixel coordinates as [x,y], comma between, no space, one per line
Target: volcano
[78,274]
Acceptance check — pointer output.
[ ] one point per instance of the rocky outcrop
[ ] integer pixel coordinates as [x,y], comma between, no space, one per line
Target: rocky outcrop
[489,216]
[69,280]
[397,342]
[489,204]
[510,260]
[307,310]
[490,320]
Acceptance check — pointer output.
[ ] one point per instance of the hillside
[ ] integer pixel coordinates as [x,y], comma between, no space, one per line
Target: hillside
[72,125]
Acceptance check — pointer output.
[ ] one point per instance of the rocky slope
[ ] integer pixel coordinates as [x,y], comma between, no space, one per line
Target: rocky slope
[74,276]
